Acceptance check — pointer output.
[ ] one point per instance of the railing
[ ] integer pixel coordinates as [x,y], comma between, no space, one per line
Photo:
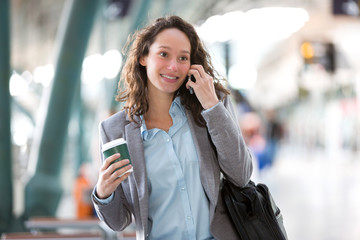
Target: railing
[58,228]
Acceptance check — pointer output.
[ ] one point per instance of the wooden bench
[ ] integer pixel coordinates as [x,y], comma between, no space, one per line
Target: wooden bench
[41,227]
[45,223]
[41,224]
[52,236]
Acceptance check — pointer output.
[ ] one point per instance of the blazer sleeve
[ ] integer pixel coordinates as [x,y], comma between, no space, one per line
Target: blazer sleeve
[234,157]
[116,214]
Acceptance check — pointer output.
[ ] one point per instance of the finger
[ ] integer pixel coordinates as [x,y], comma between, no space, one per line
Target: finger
[118,164]
[199,69]
[195,73]
[125,176]
[115,167]
[119,173]
[204,76]
[107,183]
[122,178]
[110,160]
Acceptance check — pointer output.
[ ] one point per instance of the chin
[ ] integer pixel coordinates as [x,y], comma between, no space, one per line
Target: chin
[170,89]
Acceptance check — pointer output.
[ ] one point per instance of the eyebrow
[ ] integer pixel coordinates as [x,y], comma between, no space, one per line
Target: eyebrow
[166,47]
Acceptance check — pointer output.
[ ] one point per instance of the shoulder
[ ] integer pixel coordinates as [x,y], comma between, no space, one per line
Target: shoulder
[113,126]
[115,119]
[223,96]
[226,99]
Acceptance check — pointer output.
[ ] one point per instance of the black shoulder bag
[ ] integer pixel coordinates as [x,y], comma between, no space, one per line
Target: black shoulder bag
[253,211]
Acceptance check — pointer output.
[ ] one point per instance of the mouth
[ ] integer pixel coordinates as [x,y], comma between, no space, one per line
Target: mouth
[169,78]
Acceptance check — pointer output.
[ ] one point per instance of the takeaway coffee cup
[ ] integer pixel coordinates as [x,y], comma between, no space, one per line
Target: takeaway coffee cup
[117,146]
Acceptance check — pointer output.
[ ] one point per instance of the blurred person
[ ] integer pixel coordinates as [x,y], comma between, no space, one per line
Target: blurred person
[251,125]
[261,138]
[179,142]
[82,193]
[242,103]
[274,134]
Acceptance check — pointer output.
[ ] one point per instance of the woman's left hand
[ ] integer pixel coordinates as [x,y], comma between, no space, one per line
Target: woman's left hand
[203,87]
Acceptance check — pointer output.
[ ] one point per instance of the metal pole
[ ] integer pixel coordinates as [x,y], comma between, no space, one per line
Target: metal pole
[6,199]
[43,191]
[139,13]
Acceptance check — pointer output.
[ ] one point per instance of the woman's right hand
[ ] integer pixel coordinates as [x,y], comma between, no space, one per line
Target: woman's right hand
[109,179]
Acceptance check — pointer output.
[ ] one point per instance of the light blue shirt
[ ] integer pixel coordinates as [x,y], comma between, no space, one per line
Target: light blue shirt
[178,206]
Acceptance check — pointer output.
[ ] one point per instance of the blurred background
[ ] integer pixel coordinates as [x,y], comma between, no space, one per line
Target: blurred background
[293,68]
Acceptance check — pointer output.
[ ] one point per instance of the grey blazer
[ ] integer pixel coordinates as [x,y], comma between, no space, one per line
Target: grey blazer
[230,158]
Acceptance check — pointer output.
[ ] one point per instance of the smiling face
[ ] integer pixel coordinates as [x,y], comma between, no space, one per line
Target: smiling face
[168,61]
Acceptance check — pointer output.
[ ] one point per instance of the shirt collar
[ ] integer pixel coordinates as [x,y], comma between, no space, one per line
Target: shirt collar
[177,104]
[144,131]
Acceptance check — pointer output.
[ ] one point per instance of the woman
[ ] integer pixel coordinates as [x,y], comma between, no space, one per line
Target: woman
[179,142]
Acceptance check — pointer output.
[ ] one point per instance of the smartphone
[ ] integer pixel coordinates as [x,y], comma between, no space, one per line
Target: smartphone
[192,78]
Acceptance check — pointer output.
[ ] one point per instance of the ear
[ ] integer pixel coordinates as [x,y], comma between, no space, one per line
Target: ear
[143,61]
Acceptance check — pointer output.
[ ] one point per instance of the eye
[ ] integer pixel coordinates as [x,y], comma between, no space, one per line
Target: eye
[184,58]
[163,54]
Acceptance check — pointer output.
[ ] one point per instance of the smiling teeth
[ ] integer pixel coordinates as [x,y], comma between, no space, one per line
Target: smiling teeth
[168,76]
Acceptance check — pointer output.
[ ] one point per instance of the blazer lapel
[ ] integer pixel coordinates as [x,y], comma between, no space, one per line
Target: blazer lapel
[208,165]
[136,150]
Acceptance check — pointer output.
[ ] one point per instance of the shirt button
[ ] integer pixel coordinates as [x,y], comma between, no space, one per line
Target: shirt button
[183,189]
[188,218]
[168,140]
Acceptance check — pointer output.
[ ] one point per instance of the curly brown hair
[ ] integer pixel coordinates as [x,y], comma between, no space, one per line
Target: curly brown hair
[133,81]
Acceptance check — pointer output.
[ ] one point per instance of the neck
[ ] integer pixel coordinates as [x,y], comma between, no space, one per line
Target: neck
[158,114]
[160,102]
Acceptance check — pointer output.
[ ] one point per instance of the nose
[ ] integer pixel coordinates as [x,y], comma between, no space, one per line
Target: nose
[173,65]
